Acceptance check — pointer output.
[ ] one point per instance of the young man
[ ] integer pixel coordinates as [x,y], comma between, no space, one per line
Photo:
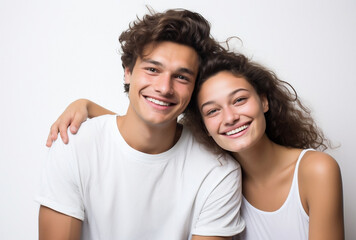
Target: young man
[142,175]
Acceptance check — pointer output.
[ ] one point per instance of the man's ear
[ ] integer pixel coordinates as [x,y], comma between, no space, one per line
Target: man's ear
[127,75]
[264,102]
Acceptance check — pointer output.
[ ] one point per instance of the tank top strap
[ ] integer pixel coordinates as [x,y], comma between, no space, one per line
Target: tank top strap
[295,185]
[295,177]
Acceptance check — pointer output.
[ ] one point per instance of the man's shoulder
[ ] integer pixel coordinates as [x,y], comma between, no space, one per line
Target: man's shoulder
[204,155]
[92,130]
[97,123]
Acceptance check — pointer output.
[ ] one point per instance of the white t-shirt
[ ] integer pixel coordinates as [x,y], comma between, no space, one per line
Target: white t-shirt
[121,193]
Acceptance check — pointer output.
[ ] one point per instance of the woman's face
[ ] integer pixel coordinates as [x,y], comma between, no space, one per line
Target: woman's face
[232,111]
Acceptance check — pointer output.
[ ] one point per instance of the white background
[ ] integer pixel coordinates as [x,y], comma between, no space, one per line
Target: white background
[53,52]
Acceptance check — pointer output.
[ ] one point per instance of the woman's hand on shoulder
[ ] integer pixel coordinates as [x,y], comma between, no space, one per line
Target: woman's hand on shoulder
[321,190]
[72,117]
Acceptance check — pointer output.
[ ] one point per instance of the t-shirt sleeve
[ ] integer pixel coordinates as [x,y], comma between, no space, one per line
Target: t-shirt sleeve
[220,215]
[59,189]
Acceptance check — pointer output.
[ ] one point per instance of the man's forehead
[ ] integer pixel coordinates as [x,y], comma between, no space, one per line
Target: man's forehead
[151,47]
[171,54]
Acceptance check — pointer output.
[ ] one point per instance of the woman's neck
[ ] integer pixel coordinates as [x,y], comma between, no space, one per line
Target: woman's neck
[262,160]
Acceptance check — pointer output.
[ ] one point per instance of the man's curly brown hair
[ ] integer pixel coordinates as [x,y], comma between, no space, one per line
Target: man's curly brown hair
[174,25]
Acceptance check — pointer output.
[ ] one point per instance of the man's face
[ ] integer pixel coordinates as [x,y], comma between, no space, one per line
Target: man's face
[162,82]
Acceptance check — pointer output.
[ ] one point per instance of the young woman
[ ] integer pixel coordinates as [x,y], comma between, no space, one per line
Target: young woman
[291,191]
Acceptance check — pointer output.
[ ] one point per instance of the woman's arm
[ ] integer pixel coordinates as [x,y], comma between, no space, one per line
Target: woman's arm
[321,192]
[72,117]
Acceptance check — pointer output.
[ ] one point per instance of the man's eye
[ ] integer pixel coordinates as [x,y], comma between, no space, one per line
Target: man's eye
[182,77]
[151,69]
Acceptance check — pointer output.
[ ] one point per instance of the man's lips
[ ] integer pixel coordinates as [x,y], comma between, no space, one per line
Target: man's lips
[159,102]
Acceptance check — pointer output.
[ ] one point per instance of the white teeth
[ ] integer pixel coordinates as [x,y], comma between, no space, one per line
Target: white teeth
[157,101]
[237,130]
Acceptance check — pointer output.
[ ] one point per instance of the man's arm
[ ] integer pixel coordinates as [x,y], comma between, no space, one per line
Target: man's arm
[220,217]
[72,117]
[196,237]
[57,226]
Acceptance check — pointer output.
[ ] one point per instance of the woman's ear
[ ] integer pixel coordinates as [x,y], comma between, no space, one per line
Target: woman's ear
[264,102]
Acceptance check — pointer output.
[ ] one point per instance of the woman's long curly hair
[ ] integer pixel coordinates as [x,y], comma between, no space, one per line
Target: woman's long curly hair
[288,121]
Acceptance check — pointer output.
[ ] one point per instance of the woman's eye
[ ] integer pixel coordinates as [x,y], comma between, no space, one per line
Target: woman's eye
[239,100]
[210,112]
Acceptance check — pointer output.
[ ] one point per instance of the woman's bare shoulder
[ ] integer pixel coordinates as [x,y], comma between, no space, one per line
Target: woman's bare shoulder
[318,165]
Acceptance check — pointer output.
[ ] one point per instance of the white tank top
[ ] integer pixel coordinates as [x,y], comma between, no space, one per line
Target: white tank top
[290,221]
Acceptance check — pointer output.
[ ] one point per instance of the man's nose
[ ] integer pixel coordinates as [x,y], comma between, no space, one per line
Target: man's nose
[163,84]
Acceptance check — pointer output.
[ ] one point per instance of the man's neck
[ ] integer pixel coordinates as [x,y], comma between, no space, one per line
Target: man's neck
[148,139]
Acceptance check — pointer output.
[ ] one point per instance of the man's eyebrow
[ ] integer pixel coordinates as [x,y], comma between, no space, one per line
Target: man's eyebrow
[147,60]
[187,71]
[159,64]
[230,94]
